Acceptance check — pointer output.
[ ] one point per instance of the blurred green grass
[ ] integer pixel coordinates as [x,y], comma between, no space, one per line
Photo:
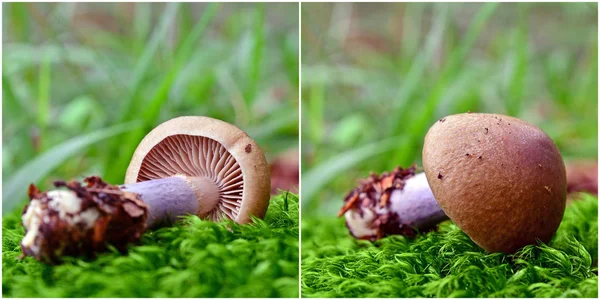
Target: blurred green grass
[83,83]
[376,76]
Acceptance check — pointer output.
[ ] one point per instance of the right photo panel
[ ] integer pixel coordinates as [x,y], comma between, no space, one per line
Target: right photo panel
[449,150]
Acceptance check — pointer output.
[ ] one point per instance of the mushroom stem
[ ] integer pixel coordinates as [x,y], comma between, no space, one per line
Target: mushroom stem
[172,197]
[416,204]
[82,218]
[400,202]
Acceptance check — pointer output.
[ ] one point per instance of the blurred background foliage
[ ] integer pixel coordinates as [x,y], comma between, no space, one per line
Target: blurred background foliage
[83,83]
[376,76]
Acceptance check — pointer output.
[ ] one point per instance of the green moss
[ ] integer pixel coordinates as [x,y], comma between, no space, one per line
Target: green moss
[194,258]
[448,264]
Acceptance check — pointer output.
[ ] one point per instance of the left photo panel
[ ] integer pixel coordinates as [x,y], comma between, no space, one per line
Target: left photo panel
[150,150]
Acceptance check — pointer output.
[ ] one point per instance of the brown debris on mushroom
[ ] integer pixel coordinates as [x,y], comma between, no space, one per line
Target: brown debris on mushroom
[80,220]
[382,205]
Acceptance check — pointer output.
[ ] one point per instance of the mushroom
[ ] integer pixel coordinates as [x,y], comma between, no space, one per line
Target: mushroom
[202,166]
[504,181]
[187,165]
[500,179]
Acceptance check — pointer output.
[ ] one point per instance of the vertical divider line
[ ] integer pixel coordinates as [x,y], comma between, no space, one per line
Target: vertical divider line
[5,81]
[300,149]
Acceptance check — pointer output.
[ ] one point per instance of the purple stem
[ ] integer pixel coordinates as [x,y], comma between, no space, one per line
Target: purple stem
[167,198]
[416,205]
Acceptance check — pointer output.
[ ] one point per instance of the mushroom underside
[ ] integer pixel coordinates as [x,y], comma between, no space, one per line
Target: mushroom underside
[198,156]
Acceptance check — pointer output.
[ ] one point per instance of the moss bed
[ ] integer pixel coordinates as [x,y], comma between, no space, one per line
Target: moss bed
[447,263]
[193,258]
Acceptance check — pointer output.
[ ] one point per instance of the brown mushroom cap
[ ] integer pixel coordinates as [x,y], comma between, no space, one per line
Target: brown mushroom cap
[204,147]
[500,179]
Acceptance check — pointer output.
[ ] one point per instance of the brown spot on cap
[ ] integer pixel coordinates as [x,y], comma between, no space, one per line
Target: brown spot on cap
[248,148]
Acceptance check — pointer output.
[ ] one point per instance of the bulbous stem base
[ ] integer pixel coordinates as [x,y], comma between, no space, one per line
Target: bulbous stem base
[399,202]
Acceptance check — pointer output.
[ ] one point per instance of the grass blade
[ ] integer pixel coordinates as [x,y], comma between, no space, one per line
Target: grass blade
[43,106]
[256,56]
[11,102]
[141,68]
[141,25]
[289,49]
[517,65]
[316,113]
[317,177]
[15,188]
[17,14]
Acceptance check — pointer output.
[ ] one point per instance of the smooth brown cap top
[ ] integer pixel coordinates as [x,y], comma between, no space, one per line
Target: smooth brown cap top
[500,179]
[207,147]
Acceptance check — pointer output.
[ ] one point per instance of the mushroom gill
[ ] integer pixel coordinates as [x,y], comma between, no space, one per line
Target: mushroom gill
[197,156]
